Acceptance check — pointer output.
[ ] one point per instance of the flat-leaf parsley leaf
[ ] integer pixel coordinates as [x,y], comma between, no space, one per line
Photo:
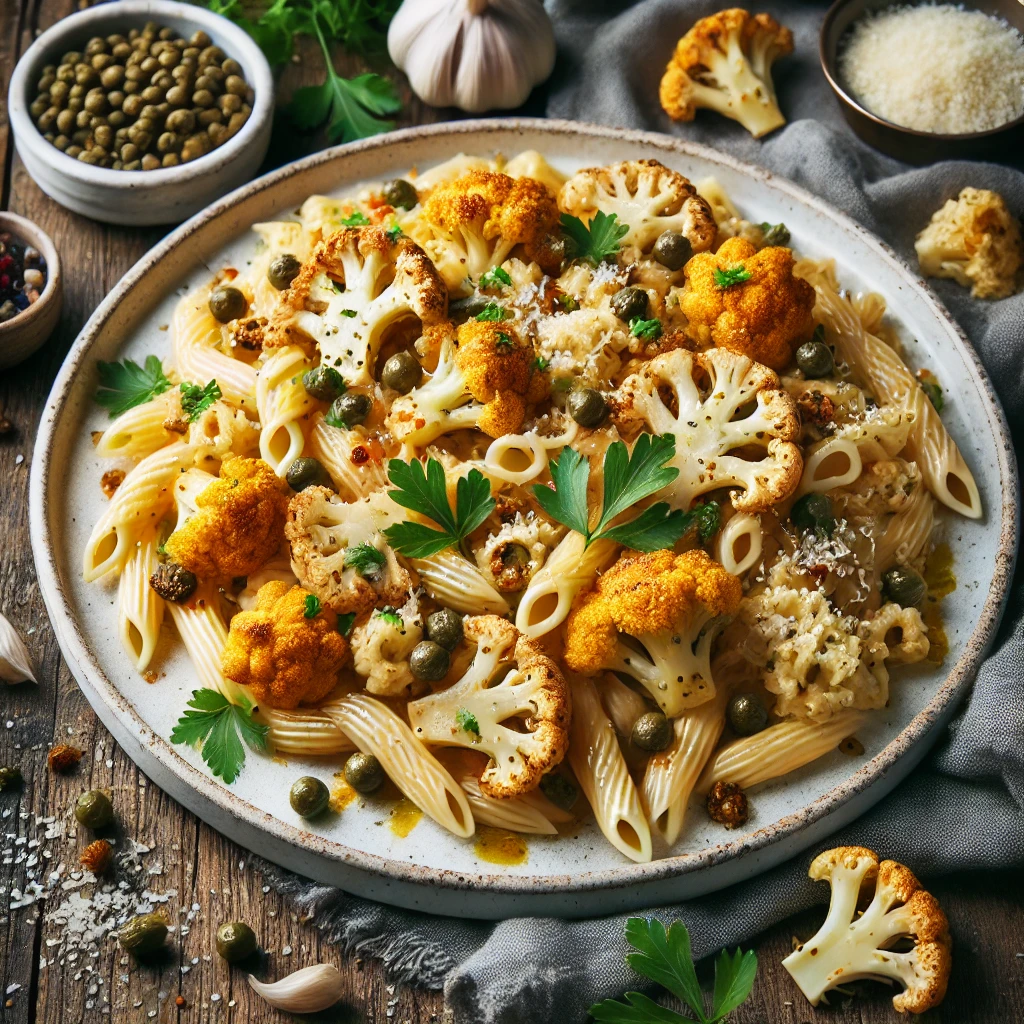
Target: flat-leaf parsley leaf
[492,312]
[495,278]
[365,559]
[312,606]
[356,219]
[641,328]
[597,241]
[466,721]
[196,400]
[218,727]
[734,275]
[126,385]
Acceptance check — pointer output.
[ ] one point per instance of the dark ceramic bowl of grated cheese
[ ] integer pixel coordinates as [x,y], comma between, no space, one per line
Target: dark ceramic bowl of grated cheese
[916,104]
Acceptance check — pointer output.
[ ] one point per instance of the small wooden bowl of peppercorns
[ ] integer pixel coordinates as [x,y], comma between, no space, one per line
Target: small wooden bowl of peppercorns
[141,111]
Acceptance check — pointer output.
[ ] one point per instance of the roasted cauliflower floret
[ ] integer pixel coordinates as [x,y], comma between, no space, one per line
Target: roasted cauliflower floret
[724,63]
[586,343]
[653,617]
[473,223]
[644,194]
[764,313]
[238,524]
[287,649]
[339,553]
[482,381]
[511,557]
[381,647]
[736,406]
[510,678]
[976,241]
[357,283]
[850,946]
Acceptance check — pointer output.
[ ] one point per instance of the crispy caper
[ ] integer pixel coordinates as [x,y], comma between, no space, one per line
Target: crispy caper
[651,731]
[143,934]
[559,789]
[363,772]
[444,627]
[309,797]
[904,586]
[236,941]
[672,249]
[429,661]
[350,409]
[815,359]
[94,809]
[173,582]
[746,714]
[400,194]
[227,303]
[402,372]
[323,382]
[586,406]
[307,472]
[813,512]
[630,302]
[282,270]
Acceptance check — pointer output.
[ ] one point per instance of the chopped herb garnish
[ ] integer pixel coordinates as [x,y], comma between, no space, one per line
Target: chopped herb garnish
[466,721]
[356,219]
[732,276]
[541,364]
[597,241]
[503,340]
[312,606]
[214,724]
[196,400]
[495,278]
[775,234]
[394,233]
[931,387]
[645,328]
[126,385]
[493,312]
[568,303]
[388,614]
[349,313]
[365,559]
[346,620]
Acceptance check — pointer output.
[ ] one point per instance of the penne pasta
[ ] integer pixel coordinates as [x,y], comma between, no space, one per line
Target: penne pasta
[140,608]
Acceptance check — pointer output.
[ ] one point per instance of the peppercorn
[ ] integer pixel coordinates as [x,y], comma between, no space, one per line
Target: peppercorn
[62,758]
[727,804]
[98,857]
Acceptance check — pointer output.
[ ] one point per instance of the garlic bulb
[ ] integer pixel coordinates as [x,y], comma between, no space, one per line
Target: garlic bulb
[473,54]
[307,991]
[15,663]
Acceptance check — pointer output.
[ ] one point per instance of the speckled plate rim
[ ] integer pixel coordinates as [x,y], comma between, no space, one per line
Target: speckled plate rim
[153,748]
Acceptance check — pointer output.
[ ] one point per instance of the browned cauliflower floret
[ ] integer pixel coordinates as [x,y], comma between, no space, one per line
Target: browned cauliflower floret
[512,704]
[287,649]
[645,195]
[851,945]
[724,63]
[975,240]
[748,301]
[652,616]
[238,525]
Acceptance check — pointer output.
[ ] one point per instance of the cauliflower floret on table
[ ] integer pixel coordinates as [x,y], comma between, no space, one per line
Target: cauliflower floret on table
[284,654]
[665,602]
[357,284]
[748,301]
[976,241]
[645,195]
[339,553]
[851,946]
[511,557]
[724,63]
[238,524]
[740,407]
[509,678]
[381,647]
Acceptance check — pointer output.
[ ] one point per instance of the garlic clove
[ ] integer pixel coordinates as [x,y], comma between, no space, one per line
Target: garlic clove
[307,991]
[15,663]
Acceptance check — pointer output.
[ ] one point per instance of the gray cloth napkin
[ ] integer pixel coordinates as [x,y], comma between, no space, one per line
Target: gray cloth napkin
[963,807]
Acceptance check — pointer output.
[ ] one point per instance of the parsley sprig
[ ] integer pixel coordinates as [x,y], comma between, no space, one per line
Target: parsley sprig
[425,492]
[126,385]
[496,278]
[365,559]
[196,400]
[218,727]
[665,958]
[731,276]
[467,721]
[493,312]
[597,241]
[641,328]
[356,219]
[311,606]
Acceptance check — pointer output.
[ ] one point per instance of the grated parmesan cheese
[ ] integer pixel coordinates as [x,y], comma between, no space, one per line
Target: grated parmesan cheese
[936,68]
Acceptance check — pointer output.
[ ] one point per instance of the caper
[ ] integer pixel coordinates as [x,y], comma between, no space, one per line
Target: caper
[904,586]
[363,772]
[651,731]
[282,270]
[429,661]
[309,797]
[444,628]
[746,714]
[143,934]
[323,382]
[227,303]
[559,789]
[628,303]
[236,941]
[815,359]
[813,512]
[463,309]
[586,406]
[402,372]
[672,249]
[400,194]
[306,472]
[94,809]
[349,410]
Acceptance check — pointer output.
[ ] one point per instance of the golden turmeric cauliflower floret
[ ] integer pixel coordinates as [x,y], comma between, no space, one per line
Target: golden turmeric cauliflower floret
[724,63]
[976,241]
[510,680]
[765,314]
[284,654]
[238,525]
[653,617]
[851,946]
[645,195]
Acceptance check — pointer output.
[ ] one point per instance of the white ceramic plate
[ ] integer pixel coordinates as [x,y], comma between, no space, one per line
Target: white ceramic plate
[581,874]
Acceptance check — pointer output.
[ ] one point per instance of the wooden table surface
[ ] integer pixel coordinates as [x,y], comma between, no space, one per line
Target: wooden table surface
[189,860]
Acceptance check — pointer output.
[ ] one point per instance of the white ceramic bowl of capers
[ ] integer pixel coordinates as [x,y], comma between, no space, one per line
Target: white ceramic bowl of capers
[220,148]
